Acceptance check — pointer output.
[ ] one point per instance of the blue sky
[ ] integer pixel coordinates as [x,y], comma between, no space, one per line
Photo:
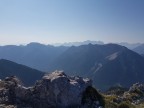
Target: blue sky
[58,21]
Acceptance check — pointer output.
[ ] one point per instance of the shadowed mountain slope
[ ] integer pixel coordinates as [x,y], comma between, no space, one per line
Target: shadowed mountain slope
[26,74]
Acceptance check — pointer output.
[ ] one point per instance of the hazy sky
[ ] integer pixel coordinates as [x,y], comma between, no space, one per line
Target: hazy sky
[56,21]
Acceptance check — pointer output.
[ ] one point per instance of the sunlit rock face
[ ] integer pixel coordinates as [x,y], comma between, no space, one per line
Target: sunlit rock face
[61,90]
[55,90]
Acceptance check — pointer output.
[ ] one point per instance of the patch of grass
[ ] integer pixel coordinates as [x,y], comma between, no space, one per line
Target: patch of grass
[126,105]
[140,106]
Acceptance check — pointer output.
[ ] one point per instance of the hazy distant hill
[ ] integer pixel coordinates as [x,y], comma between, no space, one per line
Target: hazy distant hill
[126,44]
[34,55]
[139,49]
[28,75]
[79,43]
[129,45]
[107,64]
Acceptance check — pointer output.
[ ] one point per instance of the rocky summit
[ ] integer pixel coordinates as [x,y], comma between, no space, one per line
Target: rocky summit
[55,90]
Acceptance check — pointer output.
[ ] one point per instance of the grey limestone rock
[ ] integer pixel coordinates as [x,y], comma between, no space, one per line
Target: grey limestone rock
[55,90]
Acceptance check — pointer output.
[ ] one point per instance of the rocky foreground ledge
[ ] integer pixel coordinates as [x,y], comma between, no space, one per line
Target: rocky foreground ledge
[55,90]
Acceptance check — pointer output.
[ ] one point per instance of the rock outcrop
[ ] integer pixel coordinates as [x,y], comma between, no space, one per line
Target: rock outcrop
[132,96]
[55,90]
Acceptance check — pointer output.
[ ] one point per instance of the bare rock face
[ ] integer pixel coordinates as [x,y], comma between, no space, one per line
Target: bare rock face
[137,86]
[61,90]
[55,90]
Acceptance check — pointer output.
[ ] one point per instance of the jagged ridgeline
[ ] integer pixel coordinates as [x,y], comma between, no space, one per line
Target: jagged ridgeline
[55,90]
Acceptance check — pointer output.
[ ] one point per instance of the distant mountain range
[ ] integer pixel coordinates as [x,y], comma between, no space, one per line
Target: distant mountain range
[139,49]
[28,75]
[106,64]
[128,45]
[40,56]
[34,55]
[78,43]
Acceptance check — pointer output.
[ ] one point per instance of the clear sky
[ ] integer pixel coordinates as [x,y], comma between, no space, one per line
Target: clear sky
[57,21]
